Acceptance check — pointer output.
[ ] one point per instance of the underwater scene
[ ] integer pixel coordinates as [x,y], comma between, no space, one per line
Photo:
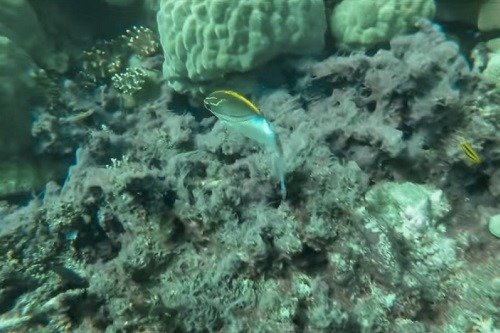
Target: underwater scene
[250,166]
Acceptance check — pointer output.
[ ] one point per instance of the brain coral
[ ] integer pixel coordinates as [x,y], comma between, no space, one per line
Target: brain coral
[492,71]
[367,22]
[203,40]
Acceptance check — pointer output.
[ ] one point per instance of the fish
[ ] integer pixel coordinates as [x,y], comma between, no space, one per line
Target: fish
[469,151]
[243,116]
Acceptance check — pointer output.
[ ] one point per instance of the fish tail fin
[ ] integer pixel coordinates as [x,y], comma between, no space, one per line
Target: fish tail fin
[282,186]
[279,171]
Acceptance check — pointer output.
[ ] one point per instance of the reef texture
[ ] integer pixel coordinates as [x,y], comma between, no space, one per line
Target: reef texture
[364,23]
[167,222]
[206,40]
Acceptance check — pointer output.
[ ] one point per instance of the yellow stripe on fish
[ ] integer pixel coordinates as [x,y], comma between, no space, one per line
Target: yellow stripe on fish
[243,116]
[230,106]
[470,152]
[243,100]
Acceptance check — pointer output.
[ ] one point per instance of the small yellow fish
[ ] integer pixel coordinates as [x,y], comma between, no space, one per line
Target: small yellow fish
[470,152]
[243,116]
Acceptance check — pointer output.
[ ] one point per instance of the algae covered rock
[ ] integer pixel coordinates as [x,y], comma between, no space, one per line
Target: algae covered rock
[362,23]
[205,40]
[404,229]
[410,209]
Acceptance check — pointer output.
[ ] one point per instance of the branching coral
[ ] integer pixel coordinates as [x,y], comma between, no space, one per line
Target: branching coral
[101,63]
[142,41]
[115,60]
[130,81]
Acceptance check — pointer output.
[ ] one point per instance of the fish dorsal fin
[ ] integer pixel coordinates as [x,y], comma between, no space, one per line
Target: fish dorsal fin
[244,100]
[230,106]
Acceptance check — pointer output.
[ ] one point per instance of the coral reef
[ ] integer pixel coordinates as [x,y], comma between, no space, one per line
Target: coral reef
[123,61]
[405,105]
[130,81]
[363,23]
[168,222]
[206,40]
[142,41]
